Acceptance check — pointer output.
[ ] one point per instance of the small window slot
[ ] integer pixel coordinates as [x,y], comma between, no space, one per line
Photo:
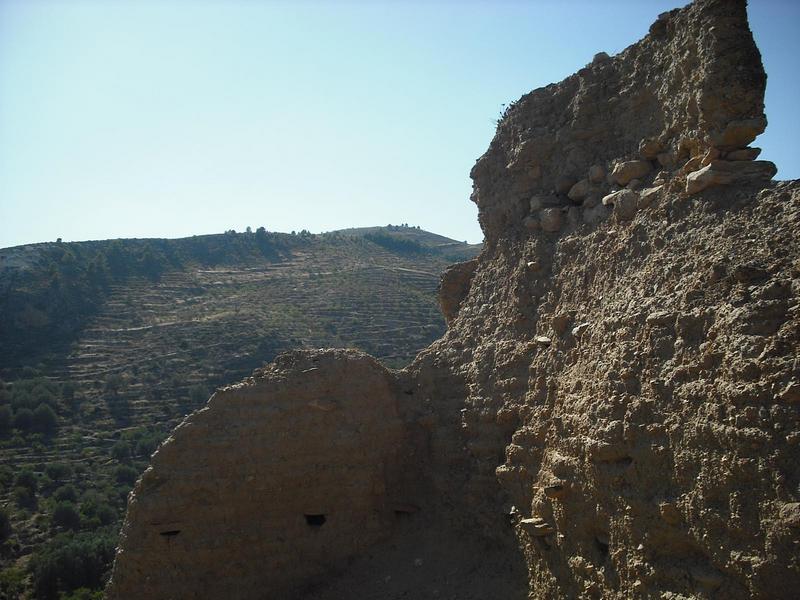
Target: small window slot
[315,520]
[171,533]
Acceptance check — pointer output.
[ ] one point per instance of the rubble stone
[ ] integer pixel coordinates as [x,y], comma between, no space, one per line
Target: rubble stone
[723,172]
[624,172]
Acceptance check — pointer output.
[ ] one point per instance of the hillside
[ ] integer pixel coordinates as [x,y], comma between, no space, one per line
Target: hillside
[613,412]
[49,291]
[113,342]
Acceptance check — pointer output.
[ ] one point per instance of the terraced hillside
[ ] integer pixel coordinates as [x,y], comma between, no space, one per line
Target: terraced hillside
[152,345]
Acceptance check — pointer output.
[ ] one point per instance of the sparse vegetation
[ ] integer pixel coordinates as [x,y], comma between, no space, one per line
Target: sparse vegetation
[396,244]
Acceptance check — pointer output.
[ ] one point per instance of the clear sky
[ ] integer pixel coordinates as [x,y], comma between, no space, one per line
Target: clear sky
[180,117]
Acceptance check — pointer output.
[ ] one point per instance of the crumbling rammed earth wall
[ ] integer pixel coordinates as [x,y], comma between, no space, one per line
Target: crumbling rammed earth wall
[278,479]
[617,398]
[688,94]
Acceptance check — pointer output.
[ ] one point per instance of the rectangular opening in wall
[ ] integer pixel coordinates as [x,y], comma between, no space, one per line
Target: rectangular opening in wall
[601,541]
[171,533]
[404,509]
[315,520]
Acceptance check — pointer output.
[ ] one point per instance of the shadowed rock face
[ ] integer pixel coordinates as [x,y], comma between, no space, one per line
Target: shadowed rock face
[454,286]
[615,403]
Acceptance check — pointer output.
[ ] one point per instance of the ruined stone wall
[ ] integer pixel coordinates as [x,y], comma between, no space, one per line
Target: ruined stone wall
[277,481]
[629,340]
[649,370]
[690,92]
[616,400]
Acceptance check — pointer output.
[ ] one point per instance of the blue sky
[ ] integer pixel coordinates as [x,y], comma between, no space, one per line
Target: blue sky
[180,117]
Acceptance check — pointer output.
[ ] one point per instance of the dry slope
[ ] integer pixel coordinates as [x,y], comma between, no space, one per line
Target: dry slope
[615,402]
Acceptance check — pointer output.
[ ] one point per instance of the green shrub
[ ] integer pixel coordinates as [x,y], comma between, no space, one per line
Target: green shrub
[66,493]
[119,407]
[106,514]
[68,390]
[89,503]
[120,496]
[25,497]
[58,471]
[5,525]
[96,512]
[44,419]
[146,446]
[125,474]
[29,372]
[23,419]
[46,485]
[121,451]
[44,395]
[66,515]
[6,476]
[70,562]
[82,594]
[21,398]
[29,393]
[12,583]
[27,479]
[74,404]
[5,419]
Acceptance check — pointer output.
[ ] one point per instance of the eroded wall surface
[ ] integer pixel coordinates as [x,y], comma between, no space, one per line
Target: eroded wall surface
[276,481]
[649,372]
[629,340]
